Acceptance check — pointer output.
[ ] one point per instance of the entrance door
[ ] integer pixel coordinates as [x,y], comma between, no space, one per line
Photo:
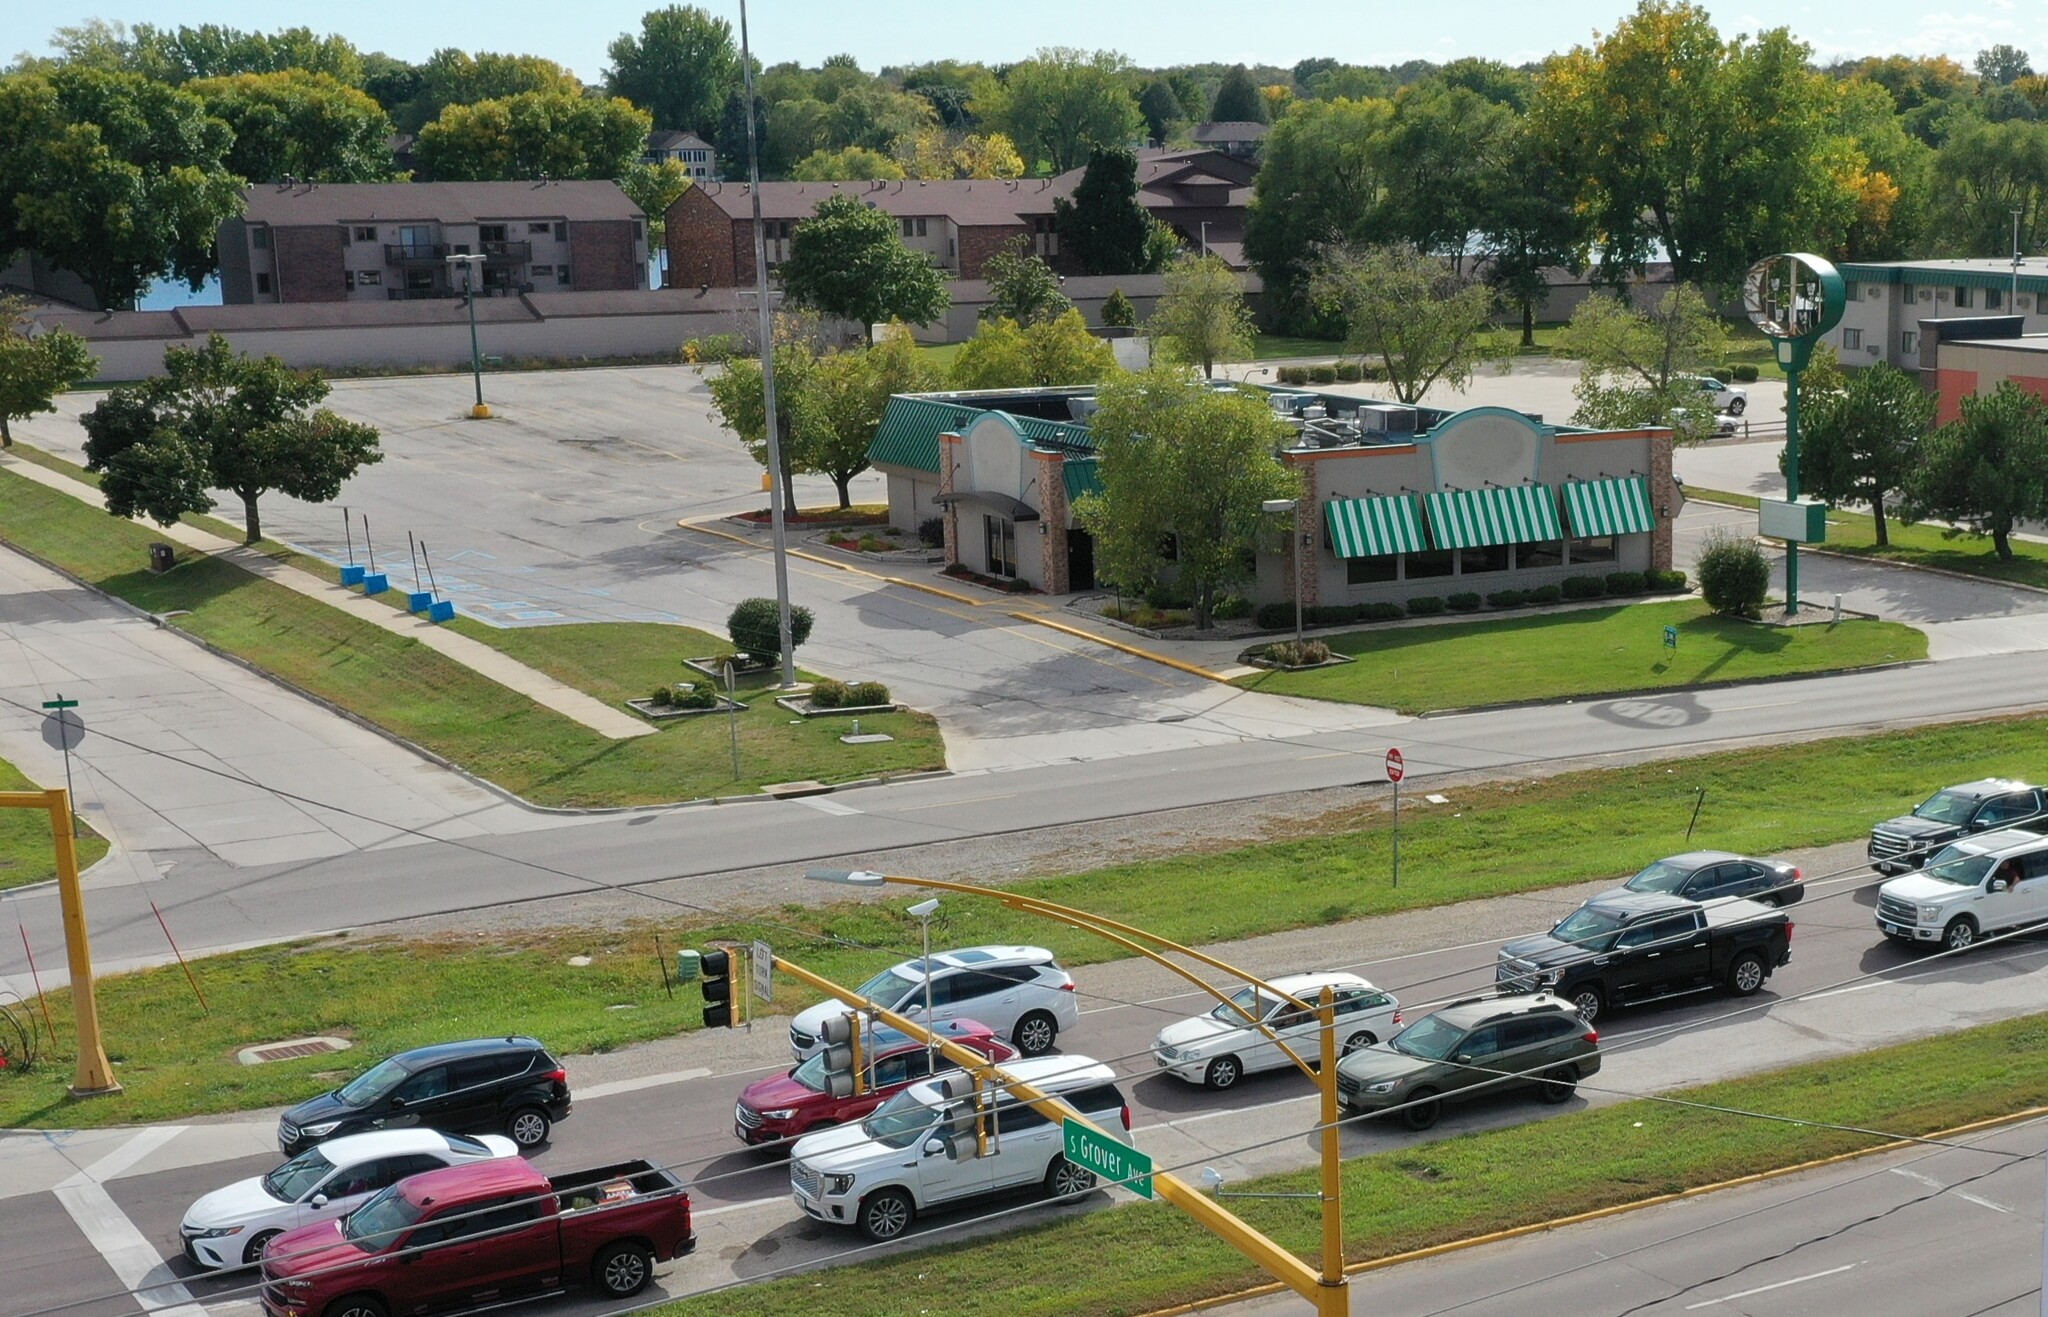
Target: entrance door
[1080,560]
[1001,535]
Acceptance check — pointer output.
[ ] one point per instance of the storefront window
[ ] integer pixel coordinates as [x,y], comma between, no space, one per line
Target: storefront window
[1549,553]
[1599,548]
[1433,562]
[1491,558]
[1368,571]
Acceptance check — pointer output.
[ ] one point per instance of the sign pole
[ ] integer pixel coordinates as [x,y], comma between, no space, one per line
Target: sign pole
[64,732]
[1792,374]
[1397,768]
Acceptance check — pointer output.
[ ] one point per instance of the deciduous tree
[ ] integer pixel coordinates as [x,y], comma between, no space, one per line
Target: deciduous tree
[678,68]
[1859,443]
[217,419]
[1005,355]
[847,261]
[654,188]
[1322,181]
[1186,465]
[1636,365]
[1161,110]
[212,51]
[456,77]
[303,125]
[1986,471]
[1201,318]
[1022,287]
[1238,99]
[847,164]
[533,135]
[1424,322]
[1059,103]
[34,370]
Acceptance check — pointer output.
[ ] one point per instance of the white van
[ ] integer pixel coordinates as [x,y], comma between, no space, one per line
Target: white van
[916,1151]
[1973,886]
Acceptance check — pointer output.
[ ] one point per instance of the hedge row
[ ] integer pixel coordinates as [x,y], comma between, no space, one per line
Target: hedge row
[1614,584]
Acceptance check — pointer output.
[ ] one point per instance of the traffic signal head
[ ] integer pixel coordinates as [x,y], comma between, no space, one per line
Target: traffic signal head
[956,1089]
[840,1036]
[716,985]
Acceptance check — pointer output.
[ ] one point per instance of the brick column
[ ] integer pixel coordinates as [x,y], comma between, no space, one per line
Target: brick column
[1307,519]
[1663,494]
[1052,519]
[949,458]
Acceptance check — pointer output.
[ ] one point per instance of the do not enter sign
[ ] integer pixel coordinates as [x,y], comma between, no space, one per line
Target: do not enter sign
[1397,768]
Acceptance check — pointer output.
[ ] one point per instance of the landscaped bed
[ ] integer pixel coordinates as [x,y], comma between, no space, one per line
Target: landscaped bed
[1855,533]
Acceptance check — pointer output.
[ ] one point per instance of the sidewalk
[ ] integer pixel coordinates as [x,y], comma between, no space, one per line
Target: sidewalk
[474,655]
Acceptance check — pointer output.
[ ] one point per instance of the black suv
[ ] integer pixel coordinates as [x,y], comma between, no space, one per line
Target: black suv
[1903,844]
[1480,1045]
[487,1085]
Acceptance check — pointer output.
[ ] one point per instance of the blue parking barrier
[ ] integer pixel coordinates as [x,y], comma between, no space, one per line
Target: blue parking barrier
[352,574]
[441,610]
[376,583]
[417,601]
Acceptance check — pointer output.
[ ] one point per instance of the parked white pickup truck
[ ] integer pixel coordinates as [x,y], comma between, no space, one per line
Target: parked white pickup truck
[1974,886]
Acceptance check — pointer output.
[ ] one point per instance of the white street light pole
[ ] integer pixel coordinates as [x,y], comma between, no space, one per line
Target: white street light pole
[471,262]
[767,332]
[1205,237]
[924,910]
[1291,506]
[2014,303]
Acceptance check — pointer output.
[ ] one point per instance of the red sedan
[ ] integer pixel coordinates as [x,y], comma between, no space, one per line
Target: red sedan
[785,1106]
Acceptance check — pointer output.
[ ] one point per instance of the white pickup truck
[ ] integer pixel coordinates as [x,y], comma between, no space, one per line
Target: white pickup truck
[1973,886]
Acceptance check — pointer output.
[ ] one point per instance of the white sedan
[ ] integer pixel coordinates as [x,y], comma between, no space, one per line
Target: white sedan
[230,1227]
[1219,1048]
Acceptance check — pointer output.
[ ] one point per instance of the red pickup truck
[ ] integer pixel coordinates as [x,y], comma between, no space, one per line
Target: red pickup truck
[481,1233]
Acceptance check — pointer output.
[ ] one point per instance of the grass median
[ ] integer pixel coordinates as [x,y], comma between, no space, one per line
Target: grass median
[27,854]
[1583,652]
[1455,1188]
[419,694]
[1855,534]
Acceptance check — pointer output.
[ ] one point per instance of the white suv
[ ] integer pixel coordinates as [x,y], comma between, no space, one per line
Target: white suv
[1219,1048]
[1019,992]
[916,1151]
[1724,397]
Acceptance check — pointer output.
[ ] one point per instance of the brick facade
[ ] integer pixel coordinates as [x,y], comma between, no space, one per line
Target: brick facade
[601,255]
[702,245]
[978,242]
[949,460]
[1664,500]
[1306,532]
[309,264]
[1052,520]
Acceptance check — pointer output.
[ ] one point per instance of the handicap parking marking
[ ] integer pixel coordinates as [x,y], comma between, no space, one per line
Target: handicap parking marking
[535,614]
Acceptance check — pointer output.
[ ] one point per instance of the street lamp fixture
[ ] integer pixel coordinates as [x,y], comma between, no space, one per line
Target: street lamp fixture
[1290,506]
[924,910]
[472,263]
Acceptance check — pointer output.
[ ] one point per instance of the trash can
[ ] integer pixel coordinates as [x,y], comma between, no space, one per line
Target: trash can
[162,557]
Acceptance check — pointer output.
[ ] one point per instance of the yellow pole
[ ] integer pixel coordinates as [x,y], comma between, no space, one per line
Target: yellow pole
[94,1075]
[1333,1300]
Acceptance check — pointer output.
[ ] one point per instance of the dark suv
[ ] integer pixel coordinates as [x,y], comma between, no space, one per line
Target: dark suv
[1903,844]
[1479,1045]
[505,1086]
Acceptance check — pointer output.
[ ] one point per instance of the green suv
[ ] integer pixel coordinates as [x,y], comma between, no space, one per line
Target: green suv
[1472,1047]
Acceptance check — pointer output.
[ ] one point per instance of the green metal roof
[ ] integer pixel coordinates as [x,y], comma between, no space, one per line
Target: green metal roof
[1082,476]
[1941,274]
[1053,434]
[1368,527]
[1475,518]
[1609,507]
[909,433]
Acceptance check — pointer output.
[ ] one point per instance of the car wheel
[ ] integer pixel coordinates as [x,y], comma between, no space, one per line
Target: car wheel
[1360,1039]
[527,1127]
[885,1215]
[1035,1033]
[1558,1084]
[1747,974]
[1588,1002]
[1959,935]
[1223,1072]
[253,1254]
[1424,1109]
[356,1305]
[1063,1179]
[621,1270]
[1736,406]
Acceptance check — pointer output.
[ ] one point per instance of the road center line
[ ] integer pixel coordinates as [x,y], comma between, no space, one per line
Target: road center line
[1837,992]
[635,1085]
[1796,1280]
[825,805]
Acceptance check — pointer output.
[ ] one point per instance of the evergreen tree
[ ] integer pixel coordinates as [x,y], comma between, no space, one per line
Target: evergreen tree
[1104,226]
[1239,99]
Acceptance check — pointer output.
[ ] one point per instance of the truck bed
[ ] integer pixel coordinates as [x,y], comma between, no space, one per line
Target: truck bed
[605,1186]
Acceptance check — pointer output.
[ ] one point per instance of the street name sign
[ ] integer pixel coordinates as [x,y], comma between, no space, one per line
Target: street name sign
[1118,1162]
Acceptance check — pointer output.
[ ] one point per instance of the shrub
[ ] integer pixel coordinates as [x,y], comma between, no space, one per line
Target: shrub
[830,693]
[1231,607]
[1271,617]
[1294,374]
[1584,587]
[1621,583]
[1376,371]
[1381,612]
[697,697]
[864,693]
[1545,594]
[1465,601]
[1734,574]
[1744,372]
[1428,605]
[1117,311]
[1160,594]
[931,532]
[756,629]
[661,697]
[712,347]
[1322,374]
[1288,654]
[1332,614]
[1350,372]
[1664,581]
[1508,598]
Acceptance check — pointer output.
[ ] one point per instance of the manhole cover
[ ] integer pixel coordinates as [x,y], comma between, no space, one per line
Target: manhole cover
[291,1048]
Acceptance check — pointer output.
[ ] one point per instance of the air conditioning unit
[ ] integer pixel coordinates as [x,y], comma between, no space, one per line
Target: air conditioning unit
[1315,411]
[1386,418]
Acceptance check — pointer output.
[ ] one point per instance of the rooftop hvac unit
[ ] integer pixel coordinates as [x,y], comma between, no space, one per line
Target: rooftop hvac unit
[1386,418]
[1081,409]
[1315,411]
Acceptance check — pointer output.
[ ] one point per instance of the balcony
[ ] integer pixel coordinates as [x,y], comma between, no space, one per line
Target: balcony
[415,253]
[507,253]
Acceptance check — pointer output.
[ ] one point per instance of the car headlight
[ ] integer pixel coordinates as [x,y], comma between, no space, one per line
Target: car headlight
[1930,913]
[780,1113]
[218,1232]
[1386,1087]
[838,1184]
[320,1131]
[1549,978]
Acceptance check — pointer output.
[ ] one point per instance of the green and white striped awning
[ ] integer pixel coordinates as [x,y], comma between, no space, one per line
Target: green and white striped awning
[1609,507]
[1476,518]
[1368,527]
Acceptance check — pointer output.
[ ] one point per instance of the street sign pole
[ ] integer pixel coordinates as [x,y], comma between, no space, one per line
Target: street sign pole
[69,728]
[1397,768]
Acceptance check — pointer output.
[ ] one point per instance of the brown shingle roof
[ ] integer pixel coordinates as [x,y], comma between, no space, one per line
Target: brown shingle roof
[972,201]
[1230,130]
[449,203]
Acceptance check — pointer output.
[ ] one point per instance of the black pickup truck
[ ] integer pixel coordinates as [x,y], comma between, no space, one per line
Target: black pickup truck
[1626,948]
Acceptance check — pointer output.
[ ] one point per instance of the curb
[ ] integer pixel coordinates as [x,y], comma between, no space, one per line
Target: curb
[823,561]
[1599,1213]
[1121,647]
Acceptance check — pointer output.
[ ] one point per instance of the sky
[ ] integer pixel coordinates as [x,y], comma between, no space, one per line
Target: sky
[879,32]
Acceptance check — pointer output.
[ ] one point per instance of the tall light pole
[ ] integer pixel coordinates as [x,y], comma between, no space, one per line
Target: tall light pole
[471,262]
[2013,301]
[767,332]
[1290,506]
[1205,237]
[924,910]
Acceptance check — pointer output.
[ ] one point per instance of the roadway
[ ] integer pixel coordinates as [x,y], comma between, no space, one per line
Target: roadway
[1844,991]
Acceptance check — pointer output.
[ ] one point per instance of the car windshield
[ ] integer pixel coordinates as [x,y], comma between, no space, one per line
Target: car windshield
[289,1182]
[376,1223]
[1663,876]
[1963,868]
[1586,927]
[887,988]
[898,1122]
[1429,1038]
[811,1074]
[1250,999]
[374,1084]
[1947,807]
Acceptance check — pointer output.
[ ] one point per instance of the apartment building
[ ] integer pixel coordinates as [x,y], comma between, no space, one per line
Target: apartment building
[686,149]
[375,242]
[1887,301]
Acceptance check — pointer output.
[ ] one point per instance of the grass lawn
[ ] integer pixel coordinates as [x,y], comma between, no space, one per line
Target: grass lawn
[417,693]
[1585,652]
[1921,546]
[1270,347]
[1453,1189]
[26,852]
[939,356]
